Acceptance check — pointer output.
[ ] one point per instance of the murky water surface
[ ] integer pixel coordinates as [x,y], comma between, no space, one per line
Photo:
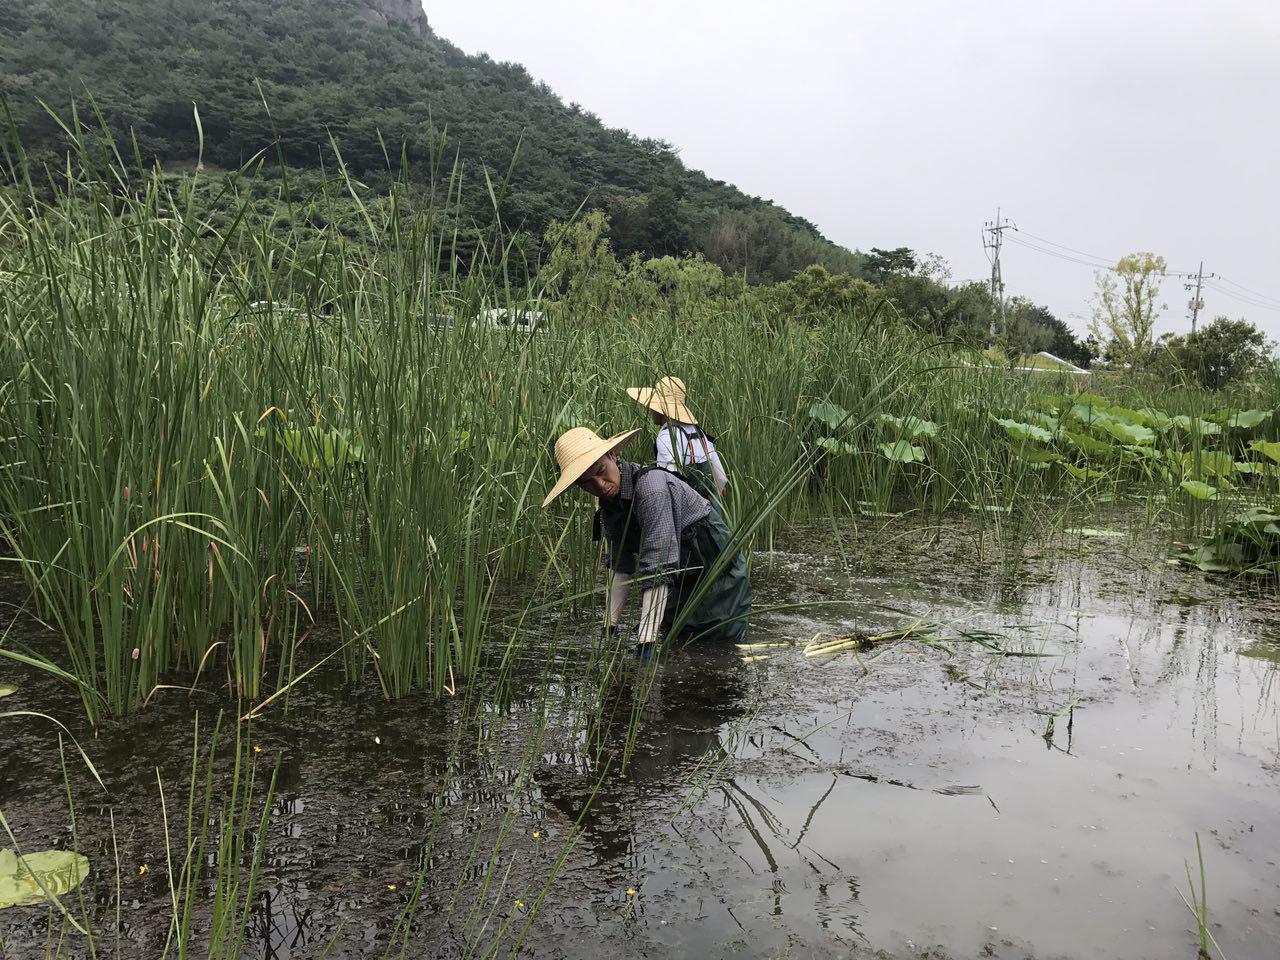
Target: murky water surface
[910,799]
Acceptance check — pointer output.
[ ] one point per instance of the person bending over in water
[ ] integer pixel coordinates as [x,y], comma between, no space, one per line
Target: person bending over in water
[683,446]
[662,534]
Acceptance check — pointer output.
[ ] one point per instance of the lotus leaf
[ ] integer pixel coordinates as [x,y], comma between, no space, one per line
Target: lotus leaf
[1083,473]
[834,446]
[1258,519]
[1209,463]
[1091,446]
[1199,490]
[1037,459]
[1129,433]
[900,451]
[910,427]
[1257,469]
[1087,412]
[1205,428]
[1268,448]
[1050,423]
[315,447]
[1247,419]
[1132,453]
[828,413]
[1247,543]
[1025,431]
[1139,417]
[1094,400]
[1218,557]
[1155,418]
[21,879]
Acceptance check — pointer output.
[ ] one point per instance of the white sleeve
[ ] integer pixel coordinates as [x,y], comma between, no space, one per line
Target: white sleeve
[619,584]
[652,607]
[666,458]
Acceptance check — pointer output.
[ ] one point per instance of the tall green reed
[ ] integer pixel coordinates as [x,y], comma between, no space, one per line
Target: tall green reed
[232,447]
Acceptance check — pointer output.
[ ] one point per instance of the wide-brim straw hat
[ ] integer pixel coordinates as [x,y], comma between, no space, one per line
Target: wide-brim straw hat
[666,397]
[576,450]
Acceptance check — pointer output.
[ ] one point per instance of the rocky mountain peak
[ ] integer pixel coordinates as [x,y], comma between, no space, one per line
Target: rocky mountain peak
[408,12]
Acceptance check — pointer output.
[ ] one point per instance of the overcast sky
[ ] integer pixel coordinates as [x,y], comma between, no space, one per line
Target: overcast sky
[1106,126]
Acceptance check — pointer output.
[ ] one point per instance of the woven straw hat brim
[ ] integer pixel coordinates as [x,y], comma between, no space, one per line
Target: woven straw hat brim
[667,406]
[571,472]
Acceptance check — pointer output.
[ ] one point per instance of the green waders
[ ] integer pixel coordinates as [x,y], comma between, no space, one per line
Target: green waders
[721,612]
[702,478]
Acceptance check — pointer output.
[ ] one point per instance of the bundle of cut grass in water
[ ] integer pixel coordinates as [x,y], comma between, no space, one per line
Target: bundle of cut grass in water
[824,644]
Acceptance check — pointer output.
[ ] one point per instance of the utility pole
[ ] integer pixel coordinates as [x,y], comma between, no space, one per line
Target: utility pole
[1195,304]
[996,228]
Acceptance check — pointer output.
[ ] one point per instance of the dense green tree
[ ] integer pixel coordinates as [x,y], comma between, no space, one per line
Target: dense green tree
[970,314]
[580,269]
[815,292]
[1062,341]
[1031,328]
[879,265]
[1220,353]
[920,301]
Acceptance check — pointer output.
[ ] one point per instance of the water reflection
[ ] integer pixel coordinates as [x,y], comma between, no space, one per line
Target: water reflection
[769,807]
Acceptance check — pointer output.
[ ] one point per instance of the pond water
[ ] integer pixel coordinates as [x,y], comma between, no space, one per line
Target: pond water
[907,801]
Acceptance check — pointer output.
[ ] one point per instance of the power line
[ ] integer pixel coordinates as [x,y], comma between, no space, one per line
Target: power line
[1257,293]
[1061,246]
[1252,301]
[1081,257]
[1096,264]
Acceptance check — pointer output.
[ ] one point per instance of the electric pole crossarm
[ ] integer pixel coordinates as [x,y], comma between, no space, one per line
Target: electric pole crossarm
[1195,304]
[996,229]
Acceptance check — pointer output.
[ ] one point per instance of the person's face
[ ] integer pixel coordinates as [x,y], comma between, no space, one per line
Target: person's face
[657,418]
[603,480]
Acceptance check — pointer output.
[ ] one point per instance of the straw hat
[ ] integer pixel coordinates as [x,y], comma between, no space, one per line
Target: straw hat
[667,398]
[576,450]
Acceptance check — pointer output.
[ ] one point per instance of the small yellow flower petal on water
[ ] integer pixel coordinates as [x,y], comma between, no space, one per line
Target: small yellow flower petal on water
[631,891]
[391,886]
[537,834]
[142,869]
[520,904]
[256,748]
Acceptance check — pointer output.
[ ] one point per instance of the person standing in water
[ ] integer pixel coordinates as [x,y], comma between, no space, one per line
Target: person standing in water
[663,535]
[682,446]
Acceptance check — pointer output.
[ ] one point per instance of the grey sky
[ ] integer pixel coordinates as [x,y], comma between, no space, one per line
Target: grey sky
[1107,127]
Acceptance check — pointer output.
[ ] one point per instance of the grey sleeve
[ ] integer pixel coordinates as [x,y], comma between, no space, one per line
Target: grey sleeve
[660,536]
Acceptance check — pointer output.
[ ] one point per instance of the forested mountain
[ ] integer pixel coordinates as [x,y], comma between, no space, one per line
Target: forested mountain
[371,78]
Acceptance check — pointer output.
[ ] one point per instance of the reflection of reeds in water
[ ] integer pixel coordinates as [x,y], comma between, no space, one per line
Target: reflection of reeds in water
[485,894]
